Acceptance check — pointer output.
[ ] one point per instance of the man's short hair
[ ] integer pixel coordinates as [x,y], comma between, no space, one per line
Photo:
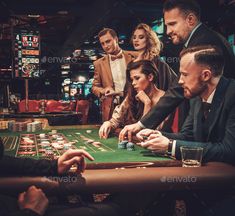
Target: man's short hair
[104,31]
[210,56]
[185,6]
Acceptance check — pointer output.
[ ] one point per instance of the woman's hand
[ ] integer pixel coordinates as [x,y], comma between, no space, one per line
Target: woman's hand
[143,97]
[105,130]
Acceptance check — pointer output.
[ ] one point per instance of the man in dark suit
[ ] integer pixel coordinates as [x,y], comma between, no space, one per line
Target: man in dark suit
[182,19]
[210,124]
[213,129]
[33,201]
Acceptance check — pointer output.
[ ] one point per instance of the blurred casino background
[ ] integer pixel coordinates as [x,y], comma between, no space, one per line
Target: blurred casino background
[52,44]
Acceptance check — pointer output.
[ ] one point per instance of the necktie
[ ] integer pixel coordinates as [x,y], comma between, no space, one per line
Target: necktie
[113,57]
[206,109]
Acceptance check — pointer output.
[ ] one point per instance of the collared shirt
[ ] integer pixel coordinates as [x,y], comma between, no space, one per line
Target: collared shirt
[118,69]
[186,44]
[210,98]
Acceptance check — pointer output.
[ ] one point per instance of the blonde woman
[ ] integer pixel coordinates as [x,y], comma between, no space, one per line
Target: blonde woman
[148,45]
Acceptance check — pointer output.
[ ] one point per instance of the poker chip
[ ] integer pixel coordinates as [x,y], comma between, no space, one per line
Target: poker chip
[55,136]
[88,131]
[53,131]
[130,146]
[32,153]
[67,145]
[41,150]
[57,146]
[122,144]
[42,135]
[45,142]
[49,154]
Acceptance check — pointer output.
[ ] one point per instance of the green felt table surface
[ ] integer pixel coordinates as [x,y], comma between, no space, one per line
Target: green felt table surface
[109,154]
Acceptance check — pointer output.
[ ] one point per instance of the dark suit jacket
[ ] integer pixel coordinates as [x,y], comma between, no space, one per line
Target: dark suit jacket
[219,140]
[10,166]
[25,166]
[174,96]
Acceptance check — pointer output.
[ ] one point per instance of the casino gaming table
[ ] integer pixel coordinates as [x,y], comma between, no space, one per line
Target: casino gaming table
[114,170]
[106,152]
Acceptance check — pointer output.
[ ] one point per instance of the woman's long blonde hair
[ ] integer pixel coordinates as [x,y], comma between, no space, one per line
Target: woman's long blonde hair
[153,45]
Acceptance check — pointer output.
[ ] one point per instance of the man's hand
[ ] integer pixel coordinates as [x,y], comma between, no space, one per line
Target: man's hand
[105,130]
[156,143]
[144,134]
[128,130]
[109,91]
[33,199]
[72,157]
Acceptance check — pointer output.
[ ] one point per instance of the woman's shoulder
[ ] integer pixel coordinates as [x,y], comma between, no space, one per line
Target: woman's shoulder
[133,54]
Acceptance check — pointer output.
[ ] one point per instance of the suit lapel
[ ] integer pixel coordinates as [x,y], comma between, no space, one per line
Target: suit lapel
[194,39]
[217,103]
[198,120]
[107,68]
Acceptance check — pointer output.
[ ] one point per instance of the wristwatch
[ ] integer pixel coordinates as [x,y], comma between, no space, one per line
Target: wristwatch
[170,144]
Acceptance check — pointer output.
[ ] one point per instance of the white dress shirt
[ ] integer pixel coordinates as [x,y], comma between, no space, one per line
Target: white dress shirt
[118,69]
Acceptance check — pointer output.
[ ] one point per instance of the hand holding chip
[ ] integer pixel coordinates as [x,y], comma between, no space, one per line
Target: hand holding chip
[71,157]
[156,142]
[145,133]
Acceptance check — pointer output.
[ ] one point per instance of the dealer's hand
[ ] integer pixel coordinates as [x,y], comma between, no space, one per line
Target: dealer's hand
[156,143]
[33,199]
[128,131]
[105,130]
[72,157]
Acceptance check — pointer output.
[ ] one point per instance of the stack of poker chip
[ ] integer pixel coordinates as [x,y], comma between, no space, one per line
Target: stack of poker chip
[34,126]
[17,126]
[129,146]
[3,124]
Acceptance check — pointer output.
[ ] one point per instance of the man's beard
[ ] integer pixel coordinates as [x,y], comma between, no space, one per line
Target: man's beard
[201,87]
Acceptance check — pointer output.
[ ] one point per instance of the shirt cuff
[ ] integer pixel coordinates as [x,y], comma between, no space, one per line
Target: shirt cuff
[173,148]
[140,124]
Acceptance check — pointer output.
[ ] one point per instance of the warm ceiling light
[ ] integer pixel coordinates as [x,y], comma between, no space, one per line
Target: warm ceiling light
[33,15]
[62,12]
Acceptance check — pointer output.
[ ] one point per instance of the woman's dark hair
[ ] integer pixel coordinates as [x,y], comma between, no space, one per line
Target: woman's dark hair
[147,68]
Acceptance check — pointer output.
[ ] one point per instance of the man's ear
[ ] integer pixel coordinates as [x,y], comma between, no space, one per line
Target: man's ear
[116,39]
[206,75]
[191,19]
